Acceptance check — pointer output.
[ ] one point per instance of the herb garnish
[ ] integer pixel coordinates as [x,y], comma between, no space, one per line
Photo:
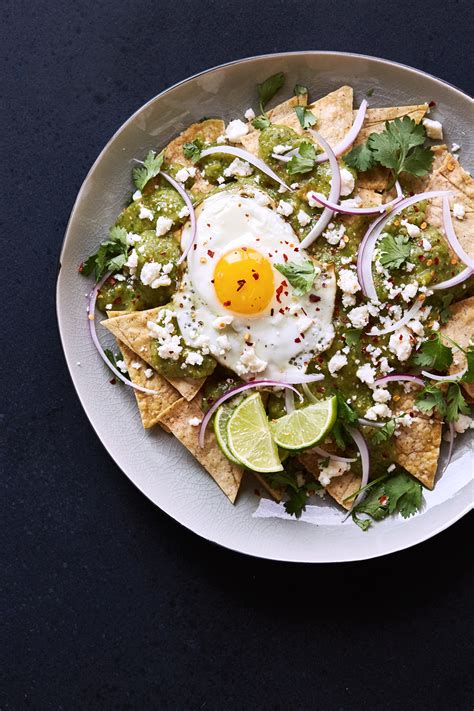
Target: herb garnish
[304,160]
[352,336]
[300,90]
[150,169]
[399,493]
[305,117]
[434,354]
[192,150]
[297,494]
[449,404]
[113,359]
[300,276]
[266,91]
[382,434]
[394,251]
[399,147]
[111,255]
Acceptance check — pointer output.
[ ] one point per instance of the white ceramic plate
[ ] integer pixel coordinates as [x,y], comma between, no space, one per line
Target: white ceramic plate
[156,463]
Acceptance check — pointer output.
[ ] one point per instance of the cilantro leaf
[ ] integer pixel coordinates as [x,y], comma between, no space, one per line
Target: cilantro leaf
[305,117]
[338,435]
[395,147]
[434,354]
[394,251]
[296,502]
[383,433]
[361,158]
[431,398]
[455,403]
[267,89]
[192,151]
[304,160]
[261,122]
[352,336]
[345,411]
[150,168]
[300,276]
[113,359]
[445,313]
[468,376]
[111,255]
[375,505]
[300,90]
[404,494]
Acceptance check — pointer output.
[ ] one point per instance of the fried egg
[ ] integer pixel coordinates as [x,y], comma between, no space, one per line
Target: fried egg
[234,303]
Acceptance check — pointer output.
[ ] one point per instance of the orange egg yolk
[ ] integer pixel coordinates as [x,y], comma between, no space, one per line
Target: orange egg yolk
[243,280]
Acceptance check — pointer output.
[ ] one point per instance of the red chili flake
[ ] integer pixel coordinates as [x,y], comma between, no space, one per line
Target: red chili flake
[286,293]
[241,283]
[244,249]
[113,381]
[250,343]
[208,224]
[212,281]
[314,299]
[256,276]
[226,303]
[383,500]
[285,257]
[194,246]
[421,258]
[281,311]
[400,337]
[297,249]
[118,300]
[278,292]
[80,267]
[436,260]
[270,254]
[210,253]
[302,335]
[431,104]
[297,340]
[302,309]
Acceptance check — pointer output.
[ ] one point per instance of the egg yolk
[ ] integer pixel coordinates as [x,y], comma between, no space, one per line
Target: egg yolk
[243,280]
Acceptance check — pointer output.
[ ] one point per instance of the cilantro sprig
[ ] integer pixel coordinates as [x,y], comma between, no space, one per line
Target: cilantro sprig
[400,147]
[434,354]
[111,255]
[297,494]
[300,276]
[305,117]
[192,150]
[394,250]
[303,161]
[382,434]
[399,493]
[448,404]
[266,91]
[150,169]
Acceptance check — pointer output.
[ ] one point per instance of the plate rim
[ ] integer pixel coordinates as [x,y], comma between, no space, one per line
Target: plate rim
[260,555]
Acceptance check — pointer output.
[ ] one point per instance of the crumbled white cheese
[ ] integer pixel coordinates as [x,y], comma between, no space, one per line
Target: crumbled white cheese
[412,230]
[108,307]
[132,261]
[194,358]
[136,365]
[194,421]
[221,322]
[384,366]
[303,218]
[347,281]
[163,225]
[121,365]
[285,208]
[337,362]
[409,291]
[279,149]
[311,201]
[366,373]
[221,139]
[463,423]
[426,244]
[170,348]
[239,168]
[148,373]
[133,238]
[220,180]
[416,327]
[294,186]
[434,129]
[184,212]
[235,130]
[459,211]
[332,470]
[151,275]
[400,343]
[334,233]
[435,326]
[409,267]
[359,317]
[185,173]
[347,182]
[352,202]
[378,410]
[348,300]
[282,189]
[119,277]
[223,343]
[249,114]
[390,468]
[250,362]
[145,213]
[381,395]
[137,195]
[455,147]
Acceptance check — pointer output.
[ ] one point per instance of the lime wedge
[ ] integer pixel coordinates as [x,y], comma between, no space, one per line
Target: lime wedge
[305,427]
[221,418]
[249,437]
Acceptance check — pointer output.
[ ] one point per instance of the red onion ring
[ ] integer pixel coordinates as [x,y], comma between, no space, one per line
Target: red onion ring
[289,401]
[400,378]
[192,215]
[355,210]
[409,314]
[95,339]
[249,157]
[322,452]
[451,378]
[350,136]
[363,422]
[361,444]
[334,194]
[454,281]
[452,237]
[234,391]
[367,246]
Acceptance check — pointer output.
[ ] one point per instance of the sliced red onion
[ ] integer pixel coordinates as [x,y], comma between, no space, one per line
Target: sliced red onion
[286,157]
[452,237]
[454,281]
[367,246]
[95,339]
[234,391]
[400,378]
[451,444]
[334,194]
[303,378]
[308,393]
[289,401]
[361,444]
[363,422]
[408,315]
[350,136]
[249,157]
[192,215]
[354,210]
[322,452]
[451,378]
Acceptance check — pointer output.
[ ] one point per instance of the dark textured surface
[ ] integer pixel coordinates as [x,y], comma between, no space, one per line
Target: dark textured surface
[106,603]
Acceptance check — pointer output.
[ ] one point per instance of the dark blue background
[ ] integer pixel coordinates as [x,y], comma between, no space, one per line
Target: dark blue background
[107,603]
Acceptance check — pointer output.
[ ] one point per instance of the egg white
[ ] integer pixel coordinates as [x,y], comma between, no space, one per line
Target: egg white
[280,340]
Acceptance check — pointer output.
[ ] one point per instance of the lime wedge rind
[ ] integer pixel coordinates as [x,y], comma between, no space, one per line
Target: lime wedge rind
[305,426]
[249,437]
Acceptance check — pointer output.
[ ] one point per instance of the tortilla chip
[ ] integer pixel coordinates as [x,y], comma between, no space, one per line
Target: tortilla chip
[334,114]
[227,475]
[340,487]
[131,329]
[417,449]
[377,178]
[282,115]
[460,328]
[151,407]
[277,494]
